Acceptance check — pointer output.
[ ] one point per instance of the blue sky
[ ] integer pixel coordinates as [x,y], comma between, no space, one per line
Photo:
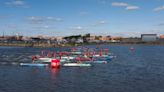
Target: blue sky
[71,17]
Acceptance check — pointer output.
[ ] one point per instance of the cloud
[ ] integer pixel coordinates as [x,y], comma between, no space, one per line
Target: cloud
[102,22]
[17,3]
[159,8]
[119,4]
[36,20]
[41,27]
[125,5]
[78,28]
[54,19]
[41,19]
[85,28]
[132,7]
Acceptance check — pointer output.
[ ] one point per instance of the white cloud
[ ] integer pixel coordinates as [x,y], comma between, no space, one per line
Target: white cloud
[33,18]
[17,3]
[54,19]
[41,27]
[36,20]
[41,19]
[159,8]
[102,22]
[119,4]
[125,5]
[132,7]
[76,28]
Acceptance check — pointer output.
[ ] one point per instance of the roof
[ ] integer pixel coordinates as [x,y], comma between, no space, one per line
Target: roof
[148,34]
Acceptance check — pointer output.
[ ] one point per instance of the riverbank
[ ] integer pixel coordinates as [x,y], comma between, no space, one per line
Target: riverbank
[45,45]
[26,44]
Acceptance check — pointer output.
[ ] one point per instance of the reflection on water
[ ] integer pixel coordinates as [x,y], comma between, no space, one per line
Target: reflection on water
[55,71]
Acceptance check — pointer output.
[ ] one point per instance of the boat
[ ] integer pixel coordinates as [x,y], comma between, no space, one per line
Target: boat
[48,60]
[76,52]
[97,55]
[68,57]
[44,59]
[75,57]
[64,60]
[97,62]
[77,65]
[33,64]
[100,62]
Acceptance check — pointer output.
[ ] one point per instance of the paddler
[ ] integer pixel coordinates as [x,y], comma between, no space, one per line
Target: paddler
[34,58]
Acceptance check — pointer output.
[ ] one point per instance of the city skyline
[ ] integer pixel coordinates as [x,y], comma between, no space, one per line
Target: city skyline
[63,18]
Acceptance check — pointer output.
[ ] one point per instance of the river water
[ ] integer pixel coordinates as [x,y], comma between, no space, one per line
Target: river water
[141,70]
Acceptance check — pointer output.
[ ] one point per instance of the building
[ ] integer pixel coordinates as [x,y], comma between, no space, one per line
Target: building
[161,39]
[10,38]
[149,37]
[105,38]
[80,40]
[91,38]
[116,39]
[18,37]
[131,40]
[161,36]
[3,39]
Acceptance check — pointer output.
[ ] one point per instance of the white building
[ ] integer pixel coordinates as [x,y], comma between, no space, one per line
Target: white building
[149,37]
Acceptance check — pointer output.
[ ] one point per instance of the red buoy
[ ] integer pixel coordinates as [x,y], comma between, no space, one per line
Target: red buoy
[55,63]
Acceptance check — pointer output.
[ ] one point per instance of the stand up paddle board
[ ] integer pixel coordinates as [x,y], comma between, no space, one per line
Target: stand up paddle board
[76,64]
[33,64]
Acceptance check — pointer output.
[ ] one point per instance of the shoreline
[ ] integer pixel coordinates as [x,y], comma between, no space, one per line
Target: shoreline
[44,45]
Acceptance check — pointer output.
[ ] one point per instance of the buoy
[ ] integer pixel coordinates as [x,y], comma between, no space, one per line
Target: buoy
[55,63]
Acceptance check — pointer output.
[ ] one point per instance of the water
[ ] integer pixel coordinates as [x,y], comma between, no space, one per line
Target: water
[141,70]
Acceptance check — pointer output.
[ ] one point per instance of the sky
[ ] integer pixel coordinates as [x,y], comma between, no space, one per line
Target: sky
[126,18]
